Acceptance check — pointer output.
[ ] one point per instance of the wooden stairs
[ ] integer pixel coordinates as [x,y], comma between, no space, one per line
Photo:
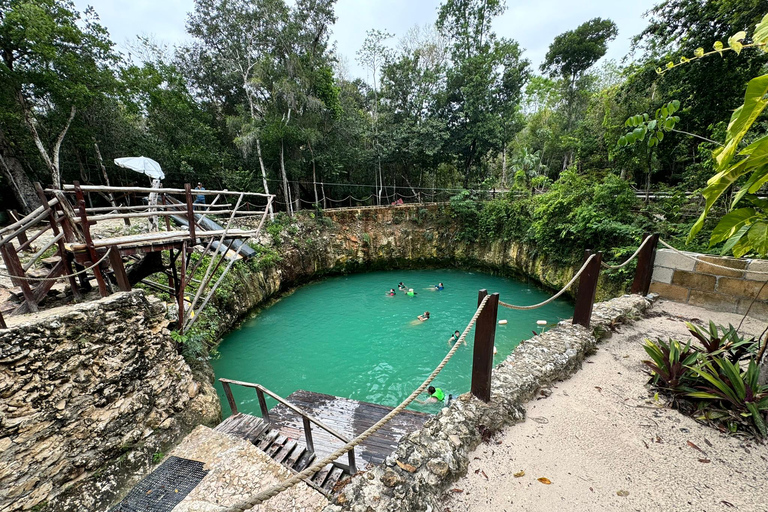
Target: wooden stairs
[288,452]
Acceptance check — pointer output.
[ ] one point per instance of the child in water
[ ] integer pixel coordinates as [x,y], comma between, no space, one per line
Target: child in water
[401,286]
[455,337]
[410,292]
[439,286]
[424,317]
[391,292]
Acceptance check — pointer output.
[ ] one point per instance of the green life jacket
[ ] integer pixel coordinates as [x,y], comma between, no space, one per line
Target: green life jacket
[410,294]
[438,394]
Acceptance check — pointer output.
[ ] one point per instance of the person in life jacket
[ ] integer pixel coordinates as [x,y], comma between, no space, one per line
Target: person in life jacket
[435,395]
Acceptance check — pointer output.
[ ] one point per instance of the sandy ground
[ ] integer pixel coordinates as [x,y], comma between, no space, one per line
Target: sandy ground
[605,444]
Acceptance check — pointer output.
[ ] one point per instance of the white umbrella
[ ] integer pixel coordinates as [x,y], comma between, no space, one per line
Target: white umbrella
[143,165]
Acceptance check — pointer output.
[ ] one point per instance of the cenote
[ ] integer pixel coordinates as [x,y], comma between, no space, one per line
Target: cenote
[345,337]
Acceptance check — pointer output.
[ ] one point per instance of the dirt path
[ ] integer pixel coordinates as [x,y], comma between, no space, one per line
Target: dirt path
[605,444]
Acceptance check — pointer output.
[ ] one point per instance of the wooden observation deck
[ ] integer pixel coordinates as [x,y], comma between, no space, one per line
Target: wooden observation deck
[176,224]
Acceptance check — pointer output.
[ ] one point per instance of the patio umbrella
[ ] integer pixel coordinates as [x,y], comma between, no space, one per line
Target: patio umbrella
[143,165]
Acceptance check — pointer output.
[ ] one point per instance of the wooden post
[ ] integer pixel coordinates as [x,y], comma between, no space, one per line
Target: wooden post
[350,455]
[117,266]
[190,212]
[88,240]
[61,249]
[23,235]
[482,358]
[644,271]
[167,217]
[585,296]
[263,405]
[182,286]
[230,398]
[16,271]
[308,435]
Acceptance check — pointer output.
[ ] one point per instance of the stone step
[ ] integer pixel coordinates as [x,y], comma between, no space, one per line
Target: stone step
[233,469]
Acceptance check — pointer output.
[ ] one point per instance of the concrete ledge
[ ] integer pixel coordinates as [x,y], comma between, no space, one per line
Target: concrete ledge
[734,288]
[428,461]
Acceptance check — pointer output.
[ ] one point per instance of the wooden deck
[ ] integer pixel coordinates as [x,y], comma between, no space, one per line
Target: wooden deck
[350,418]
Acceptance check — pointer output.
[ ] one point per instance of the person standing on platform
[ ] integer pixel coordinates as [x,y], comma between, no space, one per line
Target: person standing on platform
[199,197]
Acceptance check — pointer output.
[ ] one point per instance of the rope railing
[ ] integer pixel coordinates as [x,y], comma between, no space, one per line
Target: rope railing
[262,496]
[692,257]
[622,265]
[558,294]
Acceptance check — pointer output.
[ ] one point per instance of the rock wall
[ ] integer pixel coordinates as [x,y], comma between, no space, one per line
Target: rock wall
[373,238]
[429,460]
[738,288]
[88,395]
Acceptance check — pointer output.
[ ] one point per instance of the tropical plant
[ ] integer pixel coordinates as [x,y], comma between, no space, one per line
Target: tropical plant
[670,363]
[718,340]
[745,230]
[733,389]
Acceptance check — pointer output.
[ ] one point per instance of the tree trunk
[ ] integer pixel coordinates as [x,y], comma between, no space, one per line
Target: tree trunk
[52,160]
[104,174]
[286,192]
[264,177]
[504,164]
[314,173]
[21,185]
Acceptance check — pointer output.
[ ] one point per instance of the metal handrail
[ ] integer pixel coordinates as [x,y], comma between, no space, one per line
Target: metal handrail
[306,418]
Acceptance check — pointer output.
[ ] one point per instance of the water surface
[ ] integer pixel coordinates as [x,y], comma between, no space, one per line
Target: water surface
[343,336]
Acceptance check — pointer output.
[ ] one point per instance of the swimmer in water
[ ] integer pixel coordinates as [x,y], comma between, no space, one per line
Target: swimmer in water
[391,292]
[455,337]
[410,292]
[435,395]
[424,317]
[439,286]
[401,286]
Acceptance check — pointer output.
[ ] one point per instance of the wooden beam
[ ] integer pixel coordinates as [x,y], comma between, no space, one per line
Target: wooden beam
[585,296]
[89,241]
[61,251]
[119,269]
[190,213]
[13,265]
[644,271]
[482,357]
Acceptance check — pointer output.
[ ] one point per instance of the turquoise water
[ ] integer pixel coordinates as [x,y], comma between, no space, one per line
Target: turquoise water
[343,336]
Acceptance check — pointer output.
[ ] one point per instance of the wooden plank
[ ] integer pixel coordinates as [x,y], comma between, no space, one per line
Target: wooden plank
[348,417]
[333,478]
[482,356]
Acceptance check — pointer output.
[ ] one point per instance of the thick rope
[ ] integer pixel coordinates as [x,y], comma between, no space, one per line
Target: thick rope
[540,304]
[287,484]
[59,277]
[689,256]
[616,267]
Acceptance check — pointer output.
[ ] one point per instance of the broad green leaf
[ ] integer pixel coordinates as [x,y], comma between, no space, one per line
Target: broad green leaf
[699,52]
[718,46]
[652,125]
[652,141]
[743,118]
[731,223]
[660,135]
[669,123]
[645,117]
[758,419]
[758,237]
[734,239]
[761,31]
[742,247]
[622,141]
[734,42]
[716,186]
[664,112]
[674,106]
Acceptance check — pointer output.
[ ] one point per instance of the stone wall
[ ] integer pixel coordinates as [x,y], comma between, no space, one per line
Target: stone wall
[365,239]
[429,460]
[88,395]
[733,289]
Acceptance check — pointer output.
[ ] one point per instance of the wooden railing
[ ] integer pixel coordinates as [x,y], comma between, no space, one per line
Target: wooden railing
[306,418]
